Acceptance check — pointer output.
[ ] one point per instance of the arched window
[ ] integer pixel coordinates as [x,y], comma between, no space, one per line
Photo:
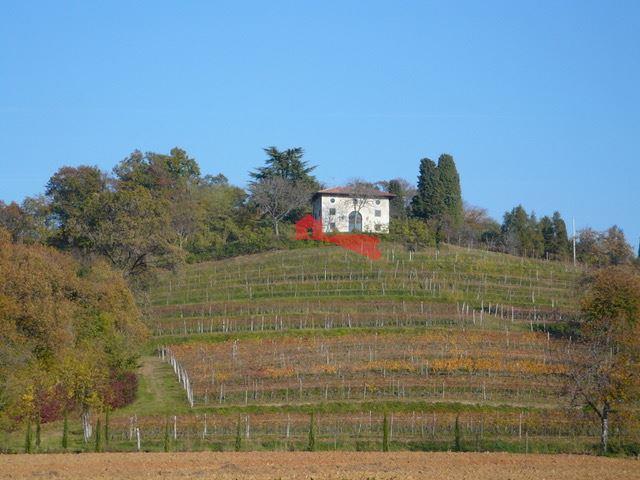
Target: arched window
[355,222]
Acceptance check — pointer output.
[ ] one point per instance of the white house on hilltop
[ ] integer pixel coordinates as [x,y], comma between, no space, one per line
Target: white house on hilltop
[343,209]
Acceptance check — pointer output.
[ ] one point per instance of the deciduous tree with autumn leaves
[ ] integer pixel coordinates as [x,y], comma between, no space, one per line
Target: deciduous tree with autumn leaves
[605,374]
[68,333]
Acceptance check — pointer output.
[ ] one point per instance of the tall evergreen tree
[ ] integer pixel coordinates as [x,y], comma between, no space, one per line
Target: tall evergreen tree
[238,442]
[427,204]
[287,164]
[521,233]
[562,245]
[312,433]
[385,433]
[396,204]
[65,431]
[548,236]
[449,189]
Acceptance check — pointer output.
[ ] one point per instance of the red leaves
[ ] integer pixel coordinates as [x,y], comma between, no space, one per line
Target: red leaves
[308,228]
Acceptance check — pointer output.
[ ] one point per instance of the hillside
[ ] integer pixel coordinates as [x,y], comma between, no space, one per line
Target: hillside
[243,350]
[259,342]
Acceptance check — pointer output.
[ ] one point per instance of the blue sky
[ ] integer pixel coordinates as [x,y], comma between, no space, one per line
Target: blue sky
[539,102]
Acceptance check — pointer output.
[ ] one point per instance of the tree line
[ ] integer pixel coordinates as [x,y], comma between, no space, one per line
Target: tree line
[155,211]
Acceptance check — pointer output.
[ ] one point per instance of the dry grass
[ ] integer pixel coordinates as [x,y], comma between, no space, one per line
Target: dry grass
[338,465]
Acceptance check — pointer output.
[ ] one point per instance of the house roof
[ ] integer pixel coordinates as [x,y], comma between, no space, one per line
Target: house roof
[351,192]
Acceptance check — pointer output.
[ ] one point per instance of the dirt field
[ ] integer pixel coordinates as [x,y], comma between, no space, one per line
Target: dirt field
[329,465]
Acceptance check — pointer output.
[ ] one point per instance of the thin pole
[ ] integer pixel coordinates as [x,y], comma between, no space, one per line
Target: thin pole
[574,241]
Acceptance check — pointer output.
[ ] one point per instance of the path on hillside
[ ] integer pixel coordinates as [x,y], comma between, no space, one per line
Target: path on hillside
[317,465]
[159,392]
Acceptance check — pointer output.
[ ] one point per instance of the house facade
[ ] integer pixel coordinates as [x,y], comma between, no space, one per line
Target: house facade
[343,209]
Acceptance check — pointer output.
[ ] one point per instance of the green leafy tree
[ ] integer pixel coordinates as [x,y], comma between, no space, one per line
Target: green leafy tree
[159,173]
[603,248]
[132,230]
[69,191]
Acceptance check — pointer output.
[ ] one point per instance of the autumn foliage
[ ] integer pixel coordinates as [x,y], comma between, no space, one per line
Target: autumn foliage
[308,228]
[69,333]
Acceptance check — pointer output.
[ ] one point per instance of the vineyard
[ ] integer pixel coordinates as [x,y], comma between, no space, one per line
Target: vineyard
[429,350]
[330,287]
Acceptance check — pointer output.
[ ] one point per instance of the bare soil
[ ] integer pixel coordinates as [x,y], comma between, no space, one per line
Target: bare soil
[317,465]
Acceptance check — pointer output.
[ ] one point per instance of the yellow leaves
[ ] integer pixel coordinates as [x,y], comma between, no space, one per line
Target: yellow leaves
[27,399]
[321,369]
[278,372]
[388,365]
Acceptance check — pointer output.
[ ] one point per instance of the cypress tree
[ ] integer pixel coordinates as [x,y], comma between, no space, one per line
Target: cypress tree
[396,204]
[457,435]
[166,436]
[98,438]
[449,189]
[65,431]
[562,243]
[27,438]
[38,432]
[312,433]
[548,237]
[107,414]
[238,445]
[427,204]
[385,433]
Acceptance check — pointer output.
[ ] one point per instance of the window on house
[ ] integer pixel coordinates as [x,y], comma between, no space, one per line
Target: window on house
[333,200]
[378,213]
[377,202]
[332,211]
[332,226]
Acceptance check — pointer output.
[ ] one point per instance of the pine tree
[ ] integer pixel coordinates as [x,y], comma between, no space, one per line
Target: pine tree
[449,189]
[427,204]
[312,433]
[385,433]
[65,431]
[287,164]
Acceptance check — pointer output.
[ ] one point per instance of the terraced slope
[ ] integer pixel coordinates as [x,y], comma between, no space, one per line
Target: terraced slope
[431,339]
[330,287]
[450,346]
